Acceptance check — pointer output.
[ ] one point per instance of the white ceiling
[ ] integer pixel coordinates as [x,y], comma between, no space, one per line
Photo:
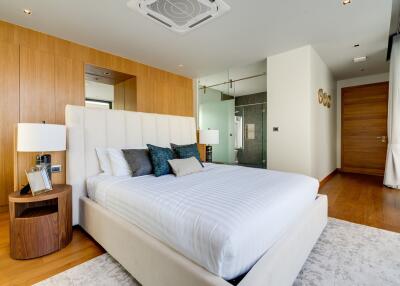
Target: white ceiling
[249,32]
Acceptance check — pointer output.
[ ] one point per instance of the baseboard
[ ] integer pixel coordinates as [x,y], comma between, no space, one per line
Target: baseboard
[327,178]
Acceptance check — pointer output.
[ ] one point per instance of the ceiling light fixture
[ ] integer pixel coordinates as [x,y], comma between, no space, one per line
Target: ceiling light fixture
[106,73]
[360,59]
[180,66]
[27,12]
[345,2]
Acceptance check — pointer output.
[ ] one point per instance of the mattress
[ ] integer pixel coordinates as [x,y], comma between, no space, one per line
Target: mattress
[223,218]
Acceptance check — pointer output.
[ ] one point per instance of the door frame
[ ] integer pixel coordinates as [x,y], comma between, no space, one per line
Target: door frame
[341,122]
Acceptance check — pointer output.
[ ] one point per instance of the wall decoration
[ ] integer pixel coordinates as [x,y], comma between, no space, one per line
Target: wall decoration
[320,95]
[324,98]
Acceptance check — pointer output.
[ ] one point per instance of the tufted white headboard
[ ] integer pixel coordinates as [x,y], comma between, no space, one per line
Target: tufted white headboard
[88,128]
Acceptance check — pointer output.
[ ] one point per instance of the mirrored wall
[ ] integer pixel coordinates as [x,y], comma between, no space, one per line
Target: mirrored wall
[234,102]
[108,89]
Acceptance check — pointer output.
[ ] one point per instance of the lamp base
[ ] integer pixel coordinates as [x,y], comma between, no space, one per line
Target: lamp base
[44,161]
[25,190]
[209,154]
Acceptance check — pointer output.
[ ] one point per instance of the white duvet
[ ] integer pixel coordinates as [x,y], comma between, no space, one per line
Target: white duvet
[223,218]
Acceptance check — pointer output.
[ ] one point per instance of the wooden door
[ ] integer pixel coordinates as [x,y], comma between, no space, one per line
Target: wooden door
[364,128]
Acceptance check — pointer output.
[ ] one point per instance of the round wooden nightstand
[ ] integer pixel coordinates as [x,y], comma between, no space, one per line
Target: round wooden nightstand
[40,224]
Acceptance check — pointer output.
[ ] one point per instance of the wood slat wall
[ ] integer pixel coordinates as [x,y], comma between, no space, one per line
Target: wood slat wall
[9,114]
[40,74]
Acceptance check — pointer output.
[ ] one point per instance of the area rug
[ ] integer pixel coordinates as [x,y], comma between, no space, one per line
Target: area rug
[345,254]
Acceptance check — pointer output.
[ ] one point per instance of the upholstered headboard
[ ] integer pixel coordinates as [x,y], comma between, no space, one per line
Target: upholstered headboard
[88,128]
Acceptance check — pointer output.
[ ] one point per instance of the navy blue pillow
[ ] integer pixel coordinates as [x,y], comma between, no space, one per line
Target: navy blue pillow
[159,158]
[186,151]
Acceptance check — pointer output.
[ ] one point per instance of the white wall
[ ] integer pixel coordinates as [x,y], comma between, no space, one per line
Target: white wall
[323,120]
[306,140]
[100,91]
[288,108]
[347,83]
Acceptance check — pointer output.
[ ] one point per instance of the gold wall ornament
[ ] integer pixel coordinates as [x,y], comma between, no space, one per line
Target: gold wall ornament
[324,98]
[320,95]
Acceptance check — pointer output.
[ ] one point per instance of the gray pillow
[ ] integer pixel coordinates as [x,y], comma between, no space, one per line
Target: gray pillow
[182,167]
[139,161]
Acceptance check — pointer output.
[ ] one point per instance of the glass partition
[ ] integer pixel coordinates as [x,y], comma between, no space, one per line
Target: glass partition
[234,102]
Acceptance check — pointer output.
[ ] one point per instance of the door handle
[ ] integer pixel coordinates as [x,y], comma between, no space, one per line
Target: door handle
[381,138]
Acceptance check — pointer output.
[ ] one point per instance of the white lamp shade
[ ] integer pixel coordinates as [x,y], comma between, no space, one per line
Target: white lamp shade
[209,137]
[37,137]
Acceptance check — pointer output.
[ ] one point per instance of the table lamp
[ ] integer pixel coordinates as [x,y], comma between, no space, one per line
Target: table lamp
[41,137]
[209,137]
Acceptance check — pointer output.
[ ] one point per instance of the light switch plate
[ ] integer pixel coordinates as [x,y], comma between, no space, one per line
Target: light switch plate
[56,168]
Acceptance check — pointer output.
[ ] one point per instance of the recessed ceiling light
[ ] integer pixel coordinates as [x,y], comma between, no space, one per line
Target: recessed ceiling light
[345,2]
[360,59]
[106,73]
[27,12]
[180,66]
[356,45]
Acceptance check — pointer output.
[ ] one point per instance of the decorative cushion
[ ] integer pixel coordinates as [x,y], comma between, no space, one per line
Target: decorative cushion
[182,167]
[139,161]
[119,165]
[186,151]
[159,158]
[104,160]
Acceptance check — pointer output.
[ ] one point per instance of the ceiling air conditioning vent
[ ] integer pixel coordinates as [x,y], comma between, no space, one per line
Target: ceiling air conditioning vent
[180,15]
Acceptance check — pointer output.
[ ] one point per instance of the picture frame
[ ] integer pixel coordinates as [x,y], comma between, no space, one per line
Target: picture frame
[39,181]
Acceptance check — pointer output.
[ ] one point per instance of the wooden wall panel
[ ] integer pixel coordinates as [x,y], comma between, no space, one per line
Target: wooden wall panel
[69,85]
[125,95]
[37,100]
[148,78]
[69,89]
[37,86]
[52,76]
[9,115]
[130,95]
[119,96]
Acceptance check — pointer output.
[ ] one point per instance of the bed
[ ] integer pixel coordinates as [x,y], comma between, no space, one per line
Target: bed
[201,229]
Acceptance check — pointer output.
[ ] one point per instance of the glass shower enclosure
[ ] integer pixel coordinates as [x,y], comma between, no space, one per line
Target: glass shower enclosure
[252,150]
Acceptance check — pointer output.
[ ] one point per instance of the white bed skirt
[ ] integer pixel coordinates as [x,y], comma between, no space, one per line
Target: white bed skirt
[153,263]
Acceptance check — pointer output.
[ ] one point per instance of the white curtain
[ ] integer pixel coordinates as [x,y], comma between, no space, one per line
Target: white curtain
[392,170]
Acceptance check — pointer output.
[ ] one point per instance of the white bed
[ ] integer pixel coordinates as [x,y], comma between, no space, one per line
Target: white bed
[214,216]
[162,230]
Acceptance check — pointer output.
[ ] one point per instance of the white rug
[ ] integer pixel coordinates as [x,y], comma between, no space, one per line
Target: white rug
[345,254]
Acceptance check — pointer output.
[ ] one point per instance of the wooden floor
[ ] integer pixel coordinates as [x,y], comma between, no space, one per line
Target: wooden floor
[363,199]
[356,198]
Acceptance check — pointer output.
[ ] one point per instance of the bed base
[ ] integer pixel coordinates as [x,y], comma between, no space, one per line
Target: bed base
[153,263]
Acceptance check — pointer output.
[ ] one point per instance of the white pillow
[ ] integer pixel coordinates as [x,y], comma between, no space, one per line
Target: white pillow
[182,167]
[119,165]
[104,161]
